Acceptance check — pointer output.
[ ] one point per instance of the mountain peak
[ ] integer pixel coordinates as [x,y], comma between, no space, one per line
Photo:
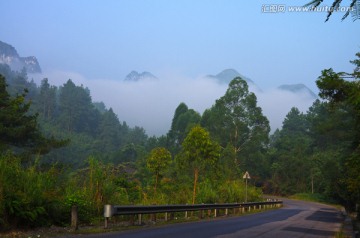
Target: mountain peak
[135,76]
[7,50]
[227,75]
[9,56]
[297,88]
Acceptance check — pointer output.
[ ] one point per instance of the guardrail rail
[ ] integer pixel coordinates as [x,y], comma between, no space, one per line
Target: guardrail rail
[115,210]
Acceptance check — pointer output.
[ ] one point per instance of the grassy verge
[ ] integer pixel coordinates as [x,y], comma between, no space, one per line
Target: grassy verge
[314,197]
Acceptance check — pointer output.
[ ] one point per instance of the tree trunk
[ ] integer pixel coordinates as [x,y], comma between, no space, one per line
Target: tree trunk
[156,182]
[235,159]
[196,174]
[312,183]
[234,144]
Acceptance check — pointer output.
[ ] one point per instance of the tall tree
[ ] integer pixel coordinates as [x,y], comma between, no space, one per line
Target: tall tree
[77,113]
[236,119]
[184,119]
[198,152]
[158,160]
[18,83]
[136,135]
[344,100]
[47,100]
[109,132]
[19,129]
[291,150]
[16,128]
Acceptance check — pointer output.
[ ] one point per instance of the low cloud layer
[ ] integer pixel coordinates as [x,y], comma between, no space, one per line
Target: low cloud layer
[151,103]
[276,104]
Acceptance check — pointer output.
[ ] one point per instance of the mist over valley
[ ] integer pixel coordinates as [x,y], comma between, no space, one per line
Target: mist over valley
[149,101]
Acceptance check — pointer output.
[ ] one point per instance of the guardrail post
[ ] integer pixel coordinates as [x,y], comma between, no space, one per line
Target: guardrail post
[215,212]
[201,214]
[172,215]
[166,216]
[139,219]
[186,214]
[106,222]
[74,217]
[153,217]
[226,211]
[108,212]
[132,220]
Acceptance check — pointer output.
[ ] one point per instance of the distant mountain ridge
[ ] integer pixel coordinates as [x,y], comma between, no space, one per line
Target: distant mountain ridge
[9,56]
[225,76]
[298,88]
[135,76]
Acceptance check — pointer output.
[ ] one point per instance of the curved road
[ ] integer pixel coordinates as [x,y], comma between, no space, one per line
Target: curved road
[295,219]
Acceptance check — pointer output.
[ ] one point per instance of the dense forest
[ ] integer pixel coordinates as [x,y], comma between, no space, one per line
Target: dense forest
[59,148]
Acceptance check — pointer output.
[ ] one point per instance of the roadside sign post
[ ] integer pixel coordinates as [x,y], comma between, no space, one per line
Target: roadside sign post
[246,177]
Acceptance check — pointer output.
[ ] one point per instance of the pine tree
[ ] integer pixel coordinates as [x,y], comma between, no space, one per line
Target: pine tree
[18,128]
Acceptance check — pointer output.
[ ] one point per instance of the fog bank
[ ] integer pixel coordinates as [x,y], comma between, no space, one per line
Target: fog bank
[151,103]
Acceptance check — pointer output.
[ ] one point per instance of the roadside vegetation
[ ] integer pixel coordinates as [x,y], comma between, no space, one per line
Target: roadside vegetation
[58,148]
[314,197]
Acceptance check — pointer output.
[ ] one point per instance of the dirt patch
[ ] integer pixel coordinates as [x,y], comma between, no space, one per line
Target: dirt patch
[38,232]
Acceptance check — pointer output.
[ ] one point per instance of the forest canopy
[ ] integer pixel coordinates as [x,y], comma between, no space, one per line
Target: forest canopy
[59,148]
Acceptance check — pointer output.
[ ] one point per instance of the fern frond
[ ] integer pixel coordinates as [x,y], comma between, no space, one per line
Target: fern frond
[314,3]
[335,5]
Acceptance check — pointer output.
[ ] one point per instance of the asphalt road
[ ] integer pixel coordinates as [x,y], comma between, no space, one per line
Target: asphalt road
[295,219]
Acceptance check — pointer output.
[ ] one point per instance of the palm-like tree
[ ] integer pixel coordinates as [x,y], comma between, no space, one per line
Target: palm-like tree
[335,5]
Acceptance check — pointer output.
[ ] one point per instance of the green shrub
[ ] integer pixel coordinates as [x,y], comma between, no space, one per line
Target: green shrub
[27,196]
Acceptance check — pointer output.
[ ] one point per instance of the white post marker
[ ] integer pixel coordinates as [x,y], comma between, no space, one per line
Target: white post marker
[246,177]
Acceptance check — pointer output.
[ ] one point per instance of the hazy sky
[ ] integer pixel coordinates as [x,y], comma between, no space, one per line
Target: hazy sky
[98,42]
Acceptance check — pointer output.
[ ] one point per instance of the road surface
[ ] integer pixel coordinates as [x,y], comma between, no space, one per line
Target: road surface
[295,219]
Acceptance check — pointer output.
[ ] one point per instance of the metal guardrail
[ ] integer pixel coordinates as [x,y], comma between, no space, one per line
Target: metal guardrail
[114,210]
